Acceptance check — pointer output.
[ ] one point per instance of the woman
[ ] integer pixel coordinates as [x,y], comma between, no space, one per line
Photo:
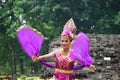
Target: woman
[64,63]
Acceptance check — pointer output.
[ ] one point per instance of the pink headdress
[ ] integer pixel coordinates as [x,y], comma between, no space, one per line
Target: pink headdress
[69,28]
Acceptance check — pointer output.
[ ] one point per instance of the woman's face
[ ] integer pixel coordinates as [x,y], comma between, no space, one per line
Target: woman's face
[65,43]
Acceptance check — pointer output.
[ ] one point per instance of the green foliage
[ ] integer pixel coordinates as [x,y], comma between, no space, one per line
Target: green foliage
[23,77]
[117,19]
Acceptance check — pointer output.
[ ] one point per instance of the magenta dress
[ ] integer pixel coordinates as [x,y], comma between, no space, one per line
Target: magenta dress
[64,67]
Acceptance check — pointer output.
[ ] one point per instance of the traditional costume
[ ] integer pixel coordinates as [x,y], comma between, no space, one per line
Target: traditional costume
[31,42]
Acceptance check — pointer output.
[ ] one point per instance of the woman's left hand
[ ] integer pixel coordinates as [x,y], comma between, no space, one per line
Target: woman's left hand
[92,68]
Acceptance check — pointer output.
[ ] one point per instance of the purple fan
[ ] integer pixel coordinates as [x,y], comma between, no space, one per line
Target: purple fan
[80,51]
[31,42]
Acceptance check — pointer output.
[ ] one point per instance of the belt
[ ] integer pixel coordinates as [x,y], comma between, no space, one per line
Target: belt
[64,71]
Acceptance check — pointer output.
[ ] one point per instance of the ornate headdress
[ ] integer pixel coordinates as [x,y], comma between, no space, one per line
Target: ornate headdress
[69,29]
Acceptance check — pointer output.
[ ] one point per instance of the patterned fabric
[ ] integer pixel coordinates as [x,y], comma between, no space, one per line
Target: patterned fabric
[64,67]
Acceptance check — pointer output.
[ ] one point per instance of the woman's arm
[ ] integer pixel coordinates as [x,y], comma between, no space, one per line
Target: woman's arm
[44,57]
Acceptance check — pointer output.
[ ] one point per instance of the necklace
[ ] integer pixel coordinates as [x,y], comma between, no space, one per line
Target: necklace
[65,54]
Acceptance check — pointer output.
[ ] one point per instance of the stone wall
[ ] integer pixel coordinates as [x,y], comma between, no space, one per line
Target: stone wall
[105,50]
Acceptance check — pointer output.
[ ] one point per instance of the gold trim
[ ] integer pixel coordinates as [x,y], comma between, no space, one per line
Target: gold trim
[64,71]
[26,26]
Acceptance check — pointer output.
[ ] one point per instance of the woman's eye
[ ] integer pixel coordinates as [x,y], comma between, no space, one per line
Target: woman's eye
[66,40]
[62,40]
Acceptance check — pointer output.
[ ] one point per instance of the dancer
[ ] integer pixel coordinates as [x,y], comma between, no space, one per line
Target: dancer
[69,53]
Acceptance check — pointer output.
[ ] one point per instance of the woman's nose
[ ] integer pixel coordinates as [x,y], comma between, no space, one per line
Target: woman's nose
[64,42]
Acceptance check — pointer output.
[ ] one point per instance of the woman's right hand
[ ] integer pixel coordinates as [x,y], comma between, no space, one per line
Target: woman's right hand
[35,58]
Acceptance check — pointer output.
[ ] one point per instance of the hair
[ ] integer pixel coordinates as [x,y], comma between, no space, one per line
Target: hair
[66,37]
